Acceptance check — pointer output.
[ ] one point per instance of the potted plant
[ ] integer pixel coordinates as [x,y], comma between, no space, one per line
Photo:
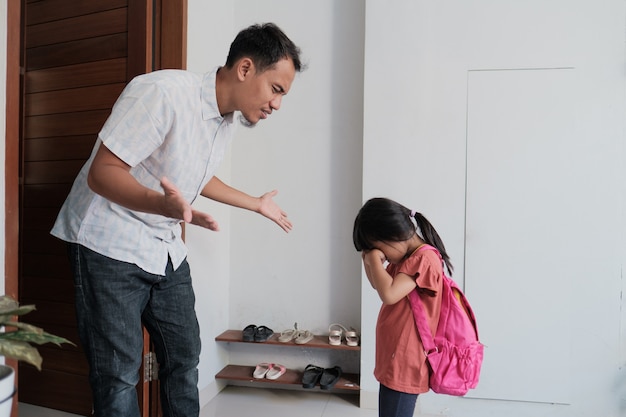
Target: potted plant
[15,342]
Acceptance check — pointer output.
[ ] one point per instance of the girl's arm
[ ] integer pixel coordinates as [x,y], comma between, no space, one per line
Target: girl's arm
[390,289]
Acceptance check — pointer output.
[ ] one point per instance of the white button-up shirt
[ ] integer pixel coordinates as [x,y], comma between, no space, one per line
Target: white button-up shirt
[165,123]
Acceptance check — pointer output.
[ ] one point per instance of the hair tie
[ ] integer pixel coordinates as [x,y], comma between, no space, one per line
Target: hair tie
[413,220]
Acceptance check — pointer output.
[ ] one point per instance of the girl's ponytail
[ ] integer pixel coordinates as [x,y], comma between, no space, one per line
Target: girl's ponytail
[430,236]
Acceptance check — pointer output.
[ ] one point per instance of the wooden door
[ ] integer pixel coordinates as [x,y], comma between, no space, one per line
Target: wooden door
[76,57]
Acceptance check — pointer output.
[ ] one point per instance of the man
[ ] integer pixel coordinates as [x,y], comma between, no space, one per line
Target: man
[158,150]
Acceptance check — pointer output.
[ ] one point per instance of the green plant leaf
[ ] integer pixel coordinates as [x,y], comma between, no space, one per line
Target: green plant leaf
[21,351]
[9,307]
[16,343]
[24,326]
[39,338]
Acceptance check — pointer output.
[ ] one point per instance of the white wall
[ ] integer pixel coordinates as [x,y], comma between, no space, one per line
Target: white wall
[210,32]
[310,150]
[430,102]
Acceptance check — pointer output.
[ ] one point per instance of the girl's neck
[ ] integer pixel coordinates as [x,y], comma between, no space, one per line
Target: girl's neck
[414,244]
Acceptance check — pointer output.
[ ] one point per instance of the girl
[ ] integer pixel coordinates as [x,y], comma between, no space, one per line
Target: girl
[387,232]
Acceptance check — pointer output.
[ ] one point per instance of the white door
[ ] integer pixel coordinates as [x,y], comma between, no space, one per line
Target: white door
[504,126]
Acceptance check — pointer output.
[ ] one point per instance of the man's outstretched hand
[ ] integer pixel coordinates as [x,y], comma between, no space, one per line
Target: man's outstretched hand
[205,220]
[272,211]
[174,205]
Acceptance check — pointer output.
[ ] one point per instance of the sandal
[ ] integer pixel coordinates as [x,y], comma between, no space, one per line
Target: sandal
[262,333]
[304,336]
[276,371]
[352,338]
[335,331]
[262,369]
[289,334]
[248,333]
[329,377]
[311,376]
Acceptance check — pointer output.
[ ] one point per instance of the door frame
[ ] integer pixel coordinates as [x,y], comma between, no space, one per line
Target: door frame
[170,52]
[13,113]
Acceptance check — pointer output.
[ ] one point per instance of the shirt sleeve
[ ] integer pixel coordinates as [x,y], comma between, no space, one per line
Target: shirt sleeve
[139,122]
[426,267]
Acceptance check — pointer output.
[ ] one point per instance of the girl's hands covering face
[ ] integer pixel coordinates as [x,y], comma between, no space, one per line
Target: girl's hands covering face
[373,257]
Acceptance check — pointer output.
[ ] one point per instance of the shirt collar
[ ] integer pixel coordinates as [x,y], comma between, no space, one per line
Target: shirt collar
[209,98]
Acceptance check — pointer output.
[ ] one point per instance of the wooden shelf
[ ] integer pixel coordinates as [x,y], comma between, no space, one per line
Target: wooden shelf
[318,341]
[290,377]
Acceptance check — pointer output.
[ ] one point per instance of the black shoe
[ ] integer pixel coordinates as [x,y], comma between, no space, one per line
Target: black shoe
[262,333]
[311,376]
[248,333]
[329,377]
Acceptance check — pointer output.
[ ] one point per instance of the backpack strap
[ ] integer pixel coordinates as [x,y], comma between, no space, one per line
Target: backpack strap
[423,329]
[426,336]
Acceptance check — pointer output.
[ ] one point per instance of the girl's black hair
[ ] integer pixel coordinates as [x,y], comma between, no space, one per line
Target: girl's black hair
[384,220]
[265,44]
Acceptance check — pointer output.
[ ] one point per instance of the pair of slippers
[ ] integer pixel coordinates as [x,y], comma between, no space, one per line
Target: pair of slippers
[337,331]
[326,377]
[269,371]
[252,333]
[299,337]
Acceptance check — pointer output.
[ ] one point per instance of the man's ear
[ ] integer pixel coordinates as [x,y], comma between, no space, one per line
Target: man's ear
[245,68]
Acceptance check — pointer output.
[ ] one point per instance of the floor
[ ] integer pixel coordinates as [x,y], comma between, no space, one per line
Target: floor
[242,401]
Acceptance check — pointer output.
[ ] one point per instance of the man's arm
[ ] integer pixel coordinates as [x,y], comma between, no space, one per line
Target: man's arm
[264,205]
[110,177]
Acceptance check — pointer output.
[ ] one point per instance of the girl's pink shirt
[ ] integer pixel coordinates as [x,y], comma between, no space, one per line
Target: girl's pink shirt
[400,359]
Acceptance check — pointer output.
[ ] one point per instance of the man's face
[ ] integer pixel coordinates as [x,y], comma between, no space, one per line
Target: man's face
[263,92]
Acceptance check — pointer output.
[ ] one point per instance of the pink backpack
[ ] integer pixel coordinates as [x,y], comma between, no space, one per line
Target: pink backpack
[454,354]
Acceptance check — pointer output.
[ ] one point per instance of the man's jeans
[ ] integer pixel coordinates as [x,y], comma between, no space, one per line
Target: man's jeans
[113,299]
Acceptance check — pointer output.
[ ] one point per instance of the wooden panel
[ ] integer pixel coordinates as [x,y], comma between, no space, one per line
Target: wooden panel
[76,64]
[48,313]
[82,27]
[79,75]
[41,241]
[68,332]
[140,14]
[347,382]
[51,172]
[12,149]
[13,118]
[59,148]
[172,48]
[58,289]
[67,124]
[49,10]
[87,50]
[46,265]
[45,195]
[37,219]
[76,361]
[52,389]
[80,45]
[319,341]
[73,100]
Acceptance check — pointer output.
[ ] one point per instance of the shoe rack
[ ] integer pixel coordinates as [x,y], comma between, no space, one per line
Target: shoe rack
[292,378]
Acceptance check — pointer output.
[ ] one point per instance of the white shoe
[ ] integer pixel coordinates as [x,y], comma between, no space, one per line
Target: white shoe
[262,369]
